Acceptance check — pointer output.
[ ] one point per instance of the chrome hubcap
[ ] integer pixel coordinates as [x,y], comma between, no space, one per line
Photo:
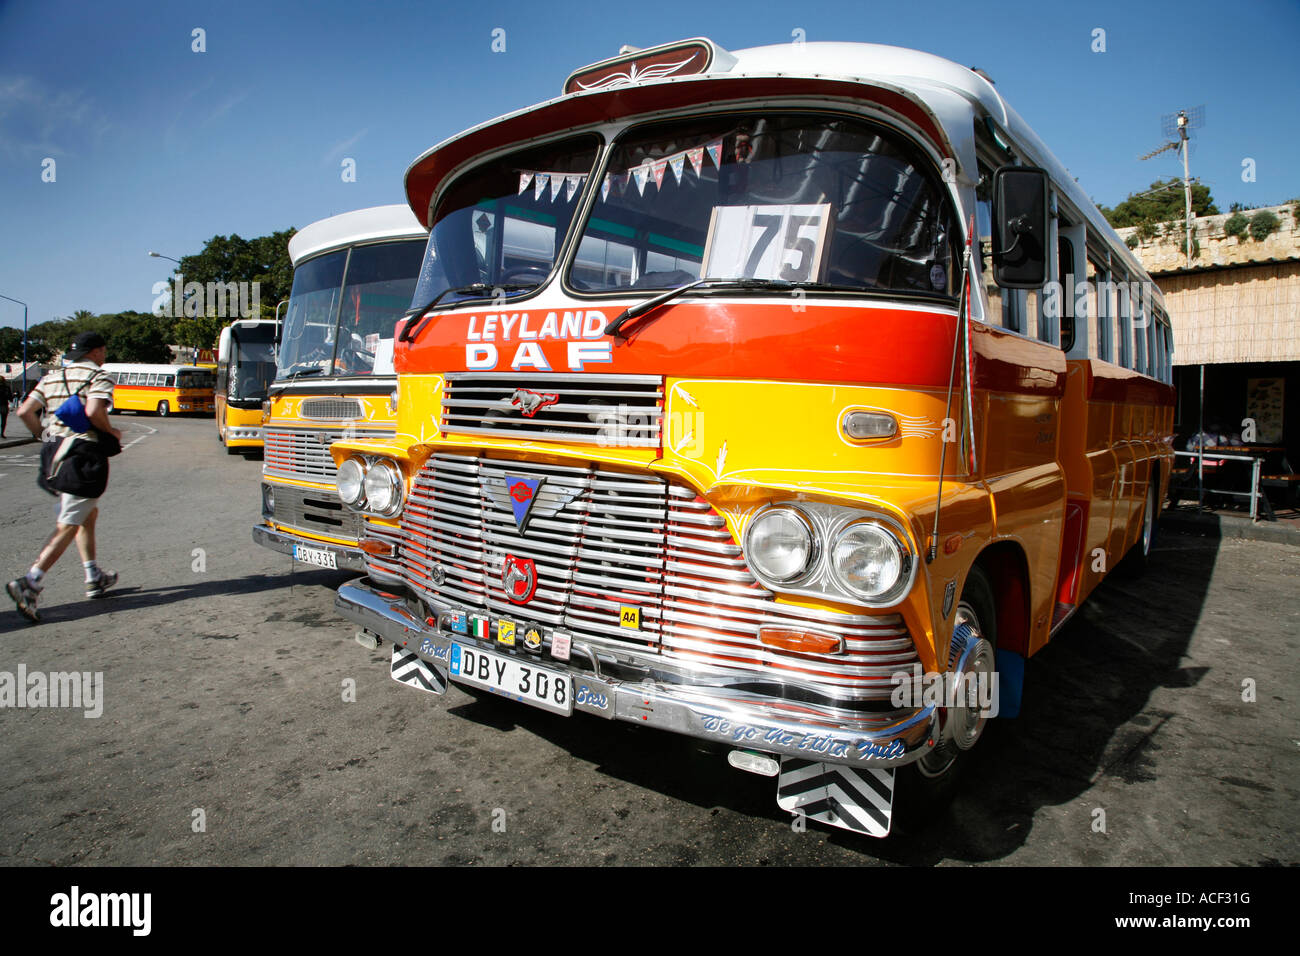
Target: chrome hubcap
[971,668]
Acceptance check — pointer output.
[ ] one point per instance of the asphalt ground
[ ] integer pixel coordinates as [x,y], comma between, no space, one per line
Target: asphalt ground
[1160,728]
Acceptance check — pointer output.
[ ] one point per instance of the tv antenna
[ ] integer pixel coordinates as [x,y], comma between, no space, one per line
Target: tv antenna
[1177,128]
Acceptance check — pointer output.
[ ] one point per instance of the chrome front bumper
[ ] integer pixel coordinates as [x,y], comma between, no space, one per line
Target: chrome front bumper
[714,713]
[350,559]
[243,433]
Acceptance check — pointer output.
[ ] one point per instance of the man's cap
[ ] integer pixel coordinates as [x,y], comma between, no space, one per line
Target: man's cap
[85,343]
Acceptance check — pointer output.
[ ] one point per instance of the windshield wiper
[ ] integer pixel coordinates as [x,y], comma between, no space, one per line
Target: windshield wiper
[649,305]
[309,370]
[478,290]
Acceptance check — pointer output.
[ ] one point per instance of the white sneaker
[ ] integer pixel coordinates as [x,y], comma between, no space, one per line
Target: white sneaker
[25,597]
[97,587]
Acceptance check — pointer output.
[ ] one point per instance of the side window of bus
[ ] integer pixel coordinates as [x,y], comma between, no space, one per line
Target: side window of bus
[1101,310]
[1068,280]
[1141,326]
[169,380]
[1123,320]
[984,227]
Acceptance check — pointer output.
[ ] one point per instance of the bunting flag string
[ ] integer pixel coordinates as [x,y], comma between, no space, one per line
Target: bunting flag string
[696,156]
[569,184]
[658,167]
[564,185]
[714,150]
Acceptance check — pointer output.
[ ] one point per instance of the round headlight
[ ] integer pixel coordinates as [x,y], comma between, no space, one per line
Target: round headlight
[868,560]
[383,487]
[350,481]
[780,545]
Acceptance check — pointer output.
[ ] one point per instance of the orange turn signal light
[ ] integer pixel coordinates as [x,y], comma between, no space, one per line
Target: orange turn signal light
[807,642]
[374,546]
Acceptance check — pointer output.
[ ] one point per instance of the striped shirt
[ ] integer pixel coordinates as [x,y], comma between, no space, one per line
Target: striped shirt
[51,392]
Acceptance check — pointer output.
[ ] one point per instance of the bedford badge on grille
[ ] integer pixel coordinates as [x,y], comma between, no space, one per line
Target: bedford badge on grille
[523,497]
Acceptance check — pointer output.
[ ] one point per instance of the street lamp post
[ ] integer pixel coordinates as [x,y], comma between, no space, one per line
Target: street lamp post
[159,255]
[24,305]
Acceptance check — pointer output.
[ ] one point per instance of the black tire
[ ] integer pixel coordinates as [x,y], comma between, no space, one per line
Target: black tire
[164,409]
[922,789]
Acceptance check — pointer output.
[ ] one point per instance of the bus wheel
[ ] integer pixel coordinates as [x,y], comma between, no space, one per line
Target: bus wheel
[164,409]
[924,787]
[1138,557]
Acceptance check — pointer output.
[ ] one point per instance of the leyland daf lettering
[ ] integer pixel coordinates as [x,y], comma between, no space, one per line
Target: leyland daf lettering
[554,342]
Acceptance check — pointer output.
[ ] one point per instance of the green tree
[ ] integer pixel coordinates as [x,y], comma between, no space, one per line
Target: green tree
[138,337]
[11,344]
[130,336]
[1236,225]
[1163,202]
[200,332]
[53,336]
[224,259]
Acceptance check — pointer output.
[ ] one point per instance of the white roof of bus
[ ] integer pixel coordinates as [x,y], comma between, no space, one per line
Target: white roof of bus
[923,77]
[360,225]
[136,367]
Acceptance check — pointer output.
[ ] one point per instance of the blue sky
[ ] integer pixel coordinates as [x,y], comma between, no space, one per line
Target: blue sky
[159,147]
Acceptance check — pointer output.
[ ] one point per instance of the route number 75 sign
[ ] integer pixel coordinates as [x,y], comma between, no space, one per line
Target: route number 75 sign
[768,242]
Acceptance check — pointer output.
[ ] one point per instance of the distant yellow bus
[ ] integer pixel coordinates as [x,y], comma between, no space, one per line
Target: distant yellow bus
[245,368]
[162,389]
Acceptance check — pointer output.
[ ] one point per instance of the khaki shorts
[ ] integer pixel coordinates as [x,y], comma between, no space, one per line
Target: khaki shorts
[74,510]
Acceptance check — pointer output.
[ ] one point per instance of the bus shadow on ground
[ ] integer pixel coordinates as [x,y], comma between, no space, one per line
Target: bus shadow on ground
[1084,716]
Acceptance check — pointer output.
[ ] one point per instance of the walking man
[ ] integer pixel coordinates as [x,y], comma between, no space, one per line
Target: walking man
[75,516]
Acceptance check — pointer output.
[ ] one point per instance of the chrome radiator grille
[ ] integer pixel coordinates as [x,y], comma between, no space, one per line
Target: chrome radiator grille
[610,410]
[317,512]
[331,408]
[305,454]
[601,540]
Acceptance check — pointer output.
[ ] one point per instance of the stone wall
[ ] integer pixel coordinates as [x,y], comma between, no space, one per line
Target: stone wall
[1167,254]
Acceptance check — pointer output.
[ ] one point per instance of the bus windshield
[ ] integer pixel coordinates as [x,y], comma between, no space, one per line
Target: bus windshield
[503,223]
[252,362]
[195,378]
[799,197]
[344,307]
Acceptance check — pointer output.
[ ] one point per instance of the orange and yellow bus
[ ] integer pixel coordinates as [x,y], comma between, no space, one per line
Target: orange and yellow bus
[786,398]
[245,370]
[353,279]
[161,389]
